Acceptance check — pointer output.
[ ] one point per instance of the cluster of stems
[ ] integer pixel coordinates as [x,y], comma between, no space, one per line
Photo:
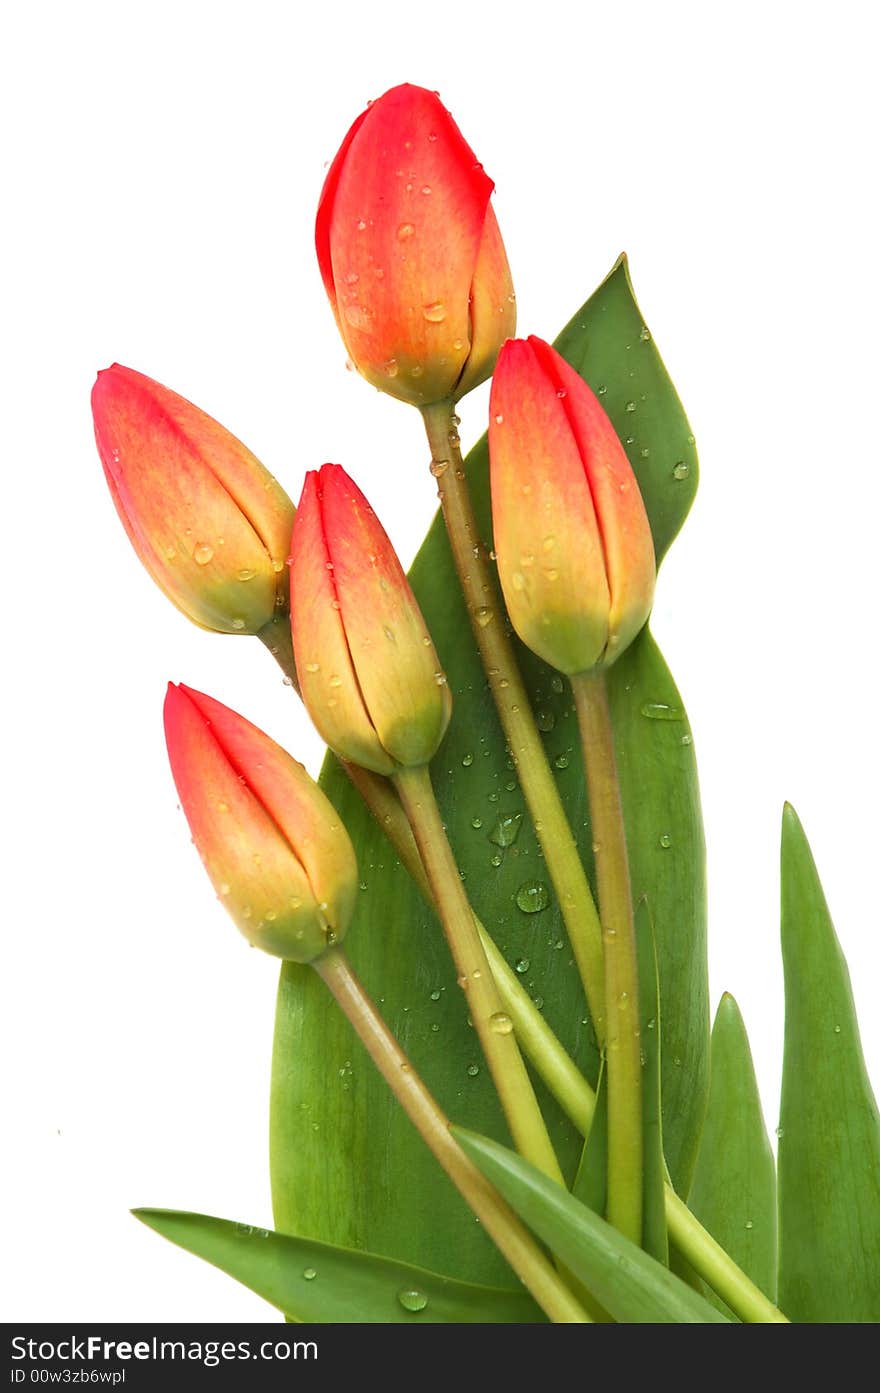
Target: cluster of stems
[507,1022]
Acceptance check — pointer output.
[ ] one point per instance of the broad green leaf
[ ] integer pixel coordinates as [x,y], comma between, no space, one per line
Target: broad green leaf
[313,1282]
[629,1284]
[346,1165]
[734,1189]
[654,1237]
[829,1134]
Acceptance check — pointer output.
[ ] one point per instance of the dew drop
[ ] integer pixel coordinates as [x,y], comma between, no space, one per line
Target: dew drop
[405,231]
[496,858]
[500,1023]
[359,318]
[660,711]
[630,406]
[499,419]
[545,720]
[837,1030]
[506,830]
[435,994]
[749,1224]
[522,965]
[483,615]
[467,760]
[246,574]
[411,1299]
[687,740]
[426,189]
[561,762]
[203,553]
[666,841]
[532,896]
[238,625]
[313,667]
[441,679]
[390,368]
[434,313]
[681,470]
[645,334]
[170,553]
[556,683]
[309,1274]
[476,823]
[439,467]
[473,1070]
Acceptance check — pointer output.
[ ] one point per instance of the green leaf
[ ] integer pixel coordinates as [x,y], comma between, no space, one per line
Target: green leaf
[628,1283]
[734,1189]
[313,1282]
[829,1142]
[346,1165]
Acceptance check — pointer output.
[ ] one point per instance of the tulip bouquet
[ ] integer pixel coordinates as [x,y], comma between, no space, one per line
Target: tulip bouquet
[495,1093]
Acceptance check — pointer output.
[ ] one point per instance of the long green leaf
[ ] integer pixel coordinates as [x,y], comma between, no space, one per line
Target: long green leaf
[829,1143]
[734,1189]
[346,1165]
[629,1284]
[313,1282]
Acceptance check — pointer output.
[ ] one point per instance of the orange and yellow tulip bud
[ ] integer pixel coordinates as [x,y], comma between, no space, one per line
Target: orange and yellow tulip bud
[410,252]
[573,541]
[368,671]
[273,845]
[208,521]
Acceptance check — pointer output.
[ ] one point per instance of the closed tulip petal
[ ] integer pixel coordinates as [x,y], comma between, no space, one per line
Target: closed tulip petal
[270,840]
[546,536]
[623,522]
[493,306]
[298,808]
[325,669]
[403,246]
[575,554]
[395,662]
[207,520]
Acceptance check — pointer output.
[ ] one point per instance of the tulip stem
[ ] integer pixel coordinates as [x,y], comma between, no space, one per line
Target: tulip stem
[493,1025]
[499,1221]
[622,1049]
[486,612]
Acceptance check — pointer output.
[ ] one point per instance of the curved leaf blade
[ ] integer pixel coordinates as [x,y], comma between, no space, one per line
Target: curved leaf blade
[829,1144]
[323,1086]
[628,1283]
[734,1189]
[314,1283]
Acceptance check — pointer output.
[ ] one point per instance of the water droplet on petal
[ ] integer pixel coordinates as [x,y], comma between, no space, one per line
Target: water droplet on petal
[203,553]
[666,841]
[522,965]
[309,1274]
[473,1070]
[434,313]
[681,470]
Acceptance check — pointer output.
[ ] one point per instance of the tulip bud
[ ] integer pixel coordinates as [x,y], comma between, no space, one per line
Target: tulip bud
[272,843]
[410,252]
[367,669]
[573,541]
[207,520]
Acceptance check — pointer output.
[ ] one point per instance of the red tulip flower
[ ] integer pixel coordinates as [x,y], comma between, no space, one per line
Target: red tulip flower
[573,541]
[272,843]
[367,669]
[410,252]
[207,520]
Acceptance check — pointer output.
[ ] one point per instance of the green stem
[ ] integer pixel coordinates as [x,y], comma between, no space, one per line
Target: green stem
[492,1024]
[486,613]
[499,1221]
[622,1050]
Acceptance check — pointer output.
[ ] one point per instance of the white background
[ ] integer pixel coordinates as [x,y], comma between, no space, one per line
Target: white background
[163,164]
